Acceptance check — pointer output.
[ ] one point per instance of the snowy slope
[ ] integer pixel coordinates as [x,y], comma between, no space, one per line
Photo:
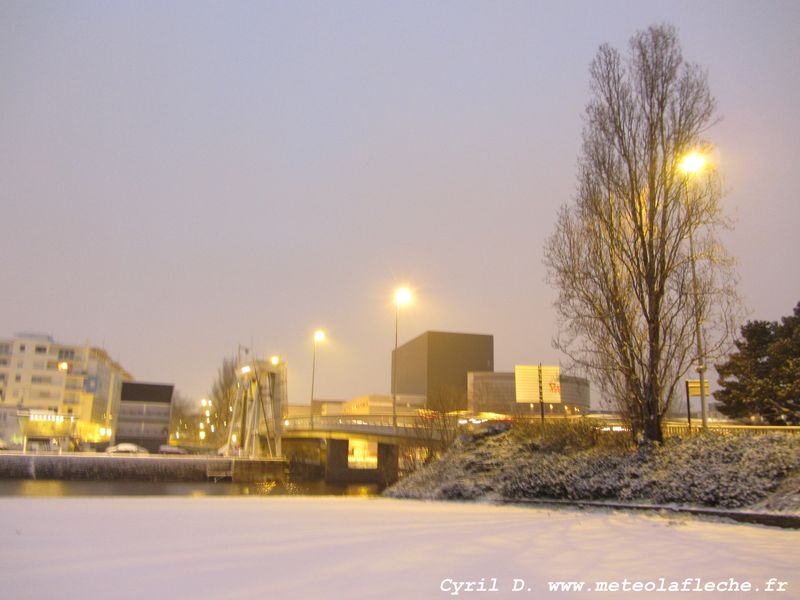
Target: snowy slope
[711,470]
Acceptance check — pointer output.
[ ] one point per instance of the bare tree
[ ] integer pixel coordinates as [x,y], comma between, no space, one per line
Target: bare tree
[620,255]
[222,398]
[183,419]
[436,427]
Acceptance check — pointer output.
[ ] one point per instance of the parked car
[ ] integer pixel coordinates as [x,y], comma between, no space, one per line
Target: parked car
[126,448]
[167,449]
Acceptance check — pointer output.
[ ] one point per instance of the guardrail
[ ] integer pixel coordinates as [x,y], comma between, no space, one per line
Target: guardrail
[410,425]
[329,422]
[683,429]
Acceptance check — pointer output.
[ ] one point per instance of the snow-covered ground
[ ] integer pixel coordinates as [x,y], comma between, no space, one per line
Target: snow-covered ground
[296,547]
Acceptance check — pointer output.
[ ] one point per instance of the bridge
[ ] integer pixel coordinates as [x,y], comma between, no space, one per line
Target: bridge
[389,433]
[379,428]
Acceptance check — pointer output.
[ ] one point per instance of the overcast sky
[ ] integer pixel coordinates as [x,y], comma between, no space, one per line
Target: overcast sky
[181,178]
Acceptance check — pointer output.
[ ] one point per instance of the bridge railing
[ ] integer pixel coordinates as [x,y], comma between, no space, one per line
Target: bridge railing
[727,428]
[350,422]
[421,427]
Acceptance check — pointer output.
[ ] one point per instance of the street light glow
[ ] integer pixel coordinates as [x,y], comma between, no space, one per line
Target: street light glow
[245,369]
[692,163]
[402,296]
[319,335]
[275,360]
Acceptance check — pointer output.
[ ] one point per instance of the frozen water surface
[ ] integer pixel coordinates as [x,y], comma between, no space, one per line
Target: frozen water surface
[297,547]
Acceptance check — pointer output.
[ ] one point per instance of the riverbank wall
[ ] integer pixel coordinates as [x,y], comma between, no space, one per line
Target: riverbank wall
[100,467]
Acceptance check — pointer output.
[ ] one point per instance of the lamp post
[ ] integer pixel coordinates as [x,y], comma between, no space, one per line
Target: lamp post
[319,336]
[402,296]
[692,164]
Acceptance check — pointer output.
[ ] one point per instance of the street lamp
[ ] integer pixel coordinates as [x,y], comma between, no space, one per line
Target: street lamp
[319,336]
[692,164]
[402,296]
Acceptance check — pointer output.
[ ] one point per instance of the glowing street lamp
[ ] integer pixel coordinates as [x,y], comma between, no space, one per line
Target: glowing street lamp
[319,336]
[275,360]
[402,297]
[692,164]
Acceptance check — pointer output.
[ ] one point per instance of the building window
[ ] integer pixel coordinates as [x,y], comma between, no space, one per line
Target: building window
[5,348]
[41,350]
[3,362]
[74,383]
[66,354]
[17,378]
[22,347]
[41,379]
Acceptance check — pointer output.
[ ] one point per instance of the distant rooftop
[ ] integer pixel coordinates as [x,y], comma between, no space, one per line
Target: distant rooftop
[34,335]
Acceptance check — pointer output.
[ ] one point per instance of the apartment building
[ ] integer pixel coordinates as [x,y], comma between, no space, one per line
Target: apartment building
[81,383]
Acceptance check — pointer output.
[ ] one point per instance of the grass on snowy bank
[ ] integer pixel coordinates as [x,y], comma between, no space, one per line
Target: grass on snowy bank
[575,461]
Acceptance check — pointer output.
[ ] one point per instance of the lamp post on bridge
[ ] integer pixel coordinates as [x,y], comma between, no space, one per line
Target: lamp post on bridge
[319,336]
[402,297]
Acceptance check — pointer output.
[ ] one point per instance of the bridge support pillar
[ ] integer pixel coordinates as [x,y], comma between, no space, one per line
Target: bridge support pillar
[388,463]
[338,471]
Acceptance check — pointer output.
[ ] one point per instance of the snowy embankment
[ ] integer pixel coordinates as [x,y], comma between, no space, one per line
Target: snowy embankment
[755,472]
[288,548]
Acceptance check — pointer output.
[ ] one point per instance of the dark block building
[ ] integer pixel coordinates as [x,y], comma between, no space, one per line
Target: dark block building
[144,413]
[437,363]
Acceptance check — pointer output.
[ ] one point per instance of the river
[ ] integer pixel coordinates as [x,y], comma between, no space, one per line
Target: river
[60,488]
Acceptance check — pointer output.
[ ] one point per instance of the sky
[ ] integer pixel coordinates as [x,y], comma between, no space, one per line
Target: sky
[179,179]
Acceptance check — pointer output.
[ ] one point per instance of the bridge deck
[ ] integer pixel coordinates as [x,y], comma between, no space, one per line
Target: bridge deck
[379,427]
